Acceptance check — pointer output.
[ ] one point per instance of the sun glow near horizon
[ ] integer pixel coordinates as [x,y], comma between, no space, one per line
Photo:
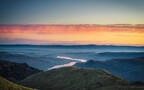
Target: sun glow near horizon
[72,34]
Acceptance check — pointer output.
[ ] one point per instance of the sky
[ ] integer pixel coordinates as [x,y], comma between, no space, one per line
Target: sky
[106,22]
[71,11]
[72,34]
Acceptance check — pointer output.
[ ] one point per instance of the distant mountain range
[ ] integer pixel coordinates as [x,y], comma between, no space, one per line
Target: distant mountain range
[55,45]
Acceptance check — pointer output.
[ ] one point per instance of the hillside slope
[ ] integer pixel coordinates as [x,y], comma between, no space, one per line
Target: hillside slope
[7,85]
[74,78]
[16,71]
[130,69]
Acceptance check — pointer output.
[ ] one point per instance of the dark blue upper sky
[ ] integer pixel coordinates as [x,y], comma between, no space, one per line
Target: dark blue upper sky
[71,11]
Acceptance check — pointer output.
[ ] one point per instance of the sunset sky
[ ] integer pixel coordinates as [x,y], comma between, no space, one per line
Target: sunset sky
[72,22]
[72,34]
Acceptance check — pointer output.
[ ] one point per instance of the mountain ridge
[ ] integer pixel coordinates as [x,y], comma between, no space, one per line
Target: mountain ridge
[75,78]
[16,71]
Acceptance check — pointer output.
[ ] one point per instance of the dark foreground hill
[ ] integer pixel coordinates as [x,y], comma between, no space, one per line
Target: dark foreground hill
[7,85]
[74,78]
[16,71]
[130,69]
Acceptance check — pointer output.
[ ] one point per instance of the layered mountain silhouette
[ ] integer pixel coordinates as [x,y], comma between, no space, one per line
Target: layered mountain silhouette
[66,78]
[130,69]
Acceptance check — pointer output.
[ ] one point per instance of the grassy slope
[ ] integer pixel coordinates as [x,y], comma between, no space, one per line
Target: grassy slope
[7,85]
[74,78]
[16,71]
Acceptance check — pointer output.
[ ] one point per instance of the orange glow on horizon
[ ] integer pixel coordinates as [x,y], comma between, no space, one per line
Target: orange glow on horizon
[75,34]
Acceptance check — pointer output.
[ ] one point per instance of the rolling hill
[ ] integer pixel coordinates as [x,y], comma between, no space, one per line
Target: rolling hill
[74,78]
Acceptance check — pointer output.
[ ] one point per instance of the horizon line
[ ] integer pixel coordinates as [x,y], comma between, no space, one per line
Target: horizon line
[74,45]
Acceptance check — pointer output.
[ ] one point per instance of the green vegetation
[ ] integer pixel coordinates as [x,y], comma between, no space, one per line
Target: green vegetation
[74,78]
[7,85]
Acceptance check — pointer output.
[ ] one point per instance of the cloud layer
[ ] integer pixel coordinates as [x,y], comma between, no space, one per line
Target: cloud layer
[72,34]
